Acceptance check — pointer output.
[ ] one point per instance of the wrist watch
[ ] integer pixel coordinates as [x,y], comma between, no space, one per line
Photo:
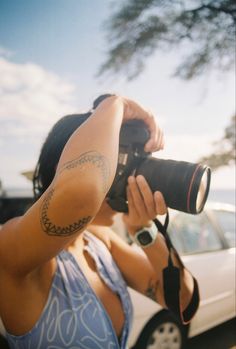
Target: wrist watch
[146,236]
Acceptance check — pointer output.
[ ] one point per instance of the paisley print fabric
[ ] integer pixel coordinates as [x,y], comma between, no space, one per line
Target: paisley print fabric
[73,316]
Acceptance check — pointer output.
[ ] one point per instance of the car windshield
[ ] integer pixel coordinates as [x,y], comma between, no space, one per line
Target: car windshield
[227,222]
[193,234]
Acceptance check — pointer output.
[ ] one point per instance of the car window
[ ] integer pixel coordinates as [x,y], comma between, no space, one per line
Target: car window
[13,207]
[227,222]
[194,234]
[175,237]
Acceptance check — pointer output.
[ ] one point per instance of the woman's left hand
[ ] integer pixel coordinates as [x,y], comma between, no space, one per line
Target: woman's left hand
[143,205]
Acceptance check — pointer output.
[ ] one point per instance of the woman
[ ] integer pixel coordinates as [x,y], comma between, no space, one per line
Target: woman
[64,273]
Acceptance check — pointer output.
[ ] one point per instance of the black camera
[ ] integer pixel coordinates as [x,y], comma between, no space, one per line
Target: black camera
[185,186]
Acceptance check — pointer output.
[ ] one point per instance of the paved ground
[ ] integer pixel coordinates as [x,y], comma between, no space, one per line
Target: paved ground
[221,337]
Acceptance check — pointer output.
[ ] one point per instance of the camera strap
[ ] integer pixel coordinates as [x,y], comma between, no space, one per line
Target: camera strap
[171,280]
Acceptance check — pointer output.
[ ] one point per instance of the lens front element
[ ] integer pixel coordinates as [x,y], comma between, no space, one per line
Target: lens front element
[203,190]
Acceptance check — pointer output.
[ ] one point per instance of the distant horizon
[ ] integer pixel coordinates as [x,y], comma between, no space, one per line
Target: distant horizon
[226,195]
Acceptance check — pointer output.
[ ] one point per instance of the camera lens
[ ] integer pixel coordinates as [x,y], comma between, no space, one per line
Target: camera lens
[203,190]
[184,185]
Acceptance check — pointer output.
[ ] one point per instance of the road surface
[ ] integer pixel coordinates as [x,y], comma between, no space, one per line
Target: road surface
[220,337]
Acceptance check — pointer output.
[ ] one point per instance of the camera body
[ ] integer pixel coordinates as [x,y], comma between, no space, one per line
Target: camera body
[185,186]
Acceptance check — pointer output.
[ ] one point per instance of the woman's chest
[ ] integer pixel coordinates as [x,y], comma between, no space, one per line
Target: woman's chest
[109,300]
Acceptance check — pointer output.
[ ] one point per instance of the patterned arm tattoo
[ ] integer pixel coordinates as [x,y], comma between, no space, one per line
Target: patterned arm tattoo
[93,158]
[51,229]
[151,291]
[89,158]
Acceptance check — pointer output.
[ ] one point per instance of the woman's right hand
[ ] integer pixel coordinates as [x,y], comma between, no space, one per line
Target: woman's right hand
[133,110]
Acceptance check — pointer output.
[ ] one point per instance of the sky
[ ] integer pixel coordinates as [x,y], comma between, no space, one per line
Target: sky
[50,53]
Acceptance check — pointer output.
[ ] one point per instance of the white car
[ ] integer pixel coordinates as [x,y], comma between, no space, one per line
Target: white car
[207,245]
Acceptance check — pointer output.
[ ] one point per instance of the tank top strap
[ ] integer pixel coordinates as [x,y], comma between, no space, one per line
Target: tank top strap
[111,275]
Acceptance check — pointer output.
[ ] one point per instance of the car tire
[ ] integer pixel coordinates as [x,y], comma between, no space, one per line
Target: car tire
[163,331]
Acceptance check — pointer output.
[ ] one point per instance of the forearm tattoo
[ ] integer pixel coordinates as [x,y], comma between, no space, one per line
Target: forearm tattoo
[151,291]
[94,158]
[89,158]
[52,229]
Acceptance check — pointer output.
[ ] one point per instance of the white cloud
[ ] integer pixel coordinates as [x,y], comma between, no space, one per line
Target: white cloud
[29,93]
[31,100]
[5,52]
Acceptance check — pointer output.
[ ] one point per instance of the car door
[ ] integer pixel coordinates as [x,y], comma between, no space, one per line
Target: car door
[205,254]
[224,220]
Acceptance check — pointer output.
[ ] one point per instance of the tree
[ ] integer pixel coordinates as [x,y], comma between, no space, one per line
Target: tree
[139,27]
[224,153]
[206,27]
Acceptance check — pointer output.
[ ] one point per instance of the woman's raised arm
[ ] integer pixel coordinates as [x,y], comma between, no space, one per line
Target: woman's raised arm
[83,176]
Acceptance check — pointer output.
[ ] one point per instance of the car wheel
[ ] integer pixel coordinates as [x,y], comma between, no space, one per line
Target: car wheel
[163,331]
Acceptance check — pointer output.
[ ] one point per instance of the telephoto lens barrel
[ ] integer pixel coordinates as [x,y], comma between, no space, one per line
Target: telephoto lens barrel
[185,186]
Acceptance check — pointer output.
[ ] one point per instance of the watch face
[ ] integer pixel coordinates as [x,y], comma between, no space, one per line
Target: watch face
[144,238]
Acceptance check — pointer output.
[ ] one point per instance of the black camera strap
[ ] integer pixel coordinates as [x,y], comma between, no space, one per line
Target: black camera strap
[171,280]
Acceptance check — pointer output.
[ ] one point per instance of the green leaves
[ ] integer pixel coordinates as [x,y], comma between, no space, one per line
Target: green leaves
[224,153]
[139,27]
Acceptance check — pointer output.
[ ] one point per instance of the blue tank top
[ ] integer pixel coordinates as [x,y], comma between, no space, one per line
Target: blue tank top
[73,316]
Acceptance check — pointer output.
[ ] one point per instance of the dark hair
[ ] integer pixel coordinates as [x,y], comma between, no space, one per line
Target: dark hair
[53,146]
[101,98]
[52,149]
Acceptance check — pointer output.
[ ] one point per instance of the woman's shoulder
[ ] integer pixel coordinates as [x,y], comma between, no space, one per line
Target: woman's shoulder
[103,233]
